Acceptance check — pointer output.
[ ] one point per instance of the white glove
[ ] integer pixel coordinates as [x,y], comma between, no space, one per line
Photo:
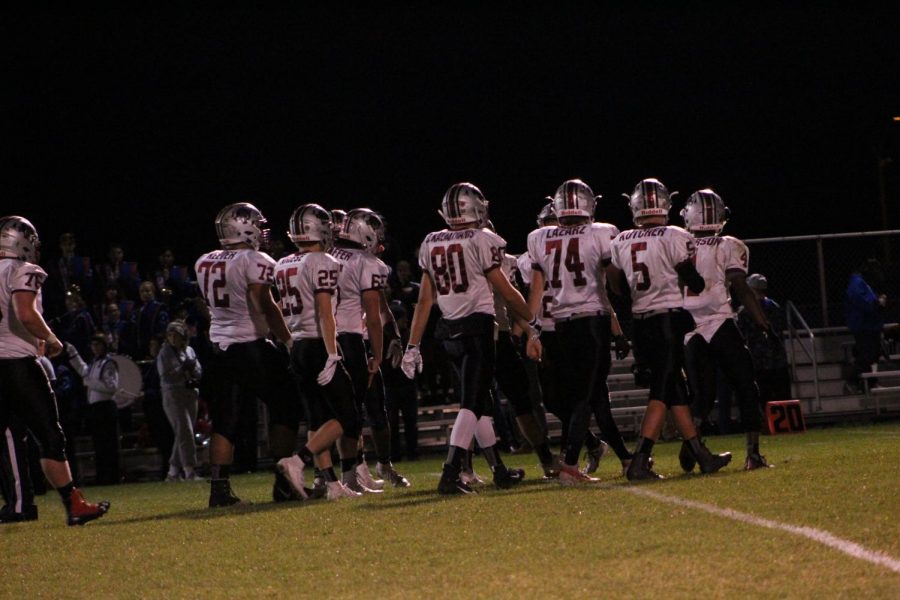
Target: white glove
[412,361]
[327,373]
[395,353]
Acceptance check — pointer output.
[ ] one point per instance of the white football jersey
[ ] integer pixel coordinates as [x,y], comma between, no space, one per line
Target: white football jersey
[545,317]
[299,277]
[648,258]
[15,276]
[457,261]
[716,256]
[360,272]
[224,278]
[572,259]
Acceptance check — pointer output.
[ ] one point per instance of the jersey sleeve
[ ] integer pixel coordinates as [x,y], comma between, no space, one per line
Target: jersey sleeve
[489,250]
[681,246]
[534,253]
[27,278]
[614,256]
[523,263]
[424,259]
[373,274]
[259,268]
[603,236]
[736,255]
[324,274]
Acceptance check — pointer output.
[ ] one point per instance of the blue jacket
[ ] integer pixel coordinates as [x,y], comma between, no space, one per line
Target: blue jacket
[863,310]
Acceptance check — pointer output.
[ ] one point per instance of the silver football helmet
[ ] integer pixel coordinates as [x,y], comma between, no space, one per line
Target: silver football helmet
[19,239]
[574,198]
[650,198]
[464,204]
[337,219]
[364,227]
[242,223]
[311,223]
[705,211]
[547,215]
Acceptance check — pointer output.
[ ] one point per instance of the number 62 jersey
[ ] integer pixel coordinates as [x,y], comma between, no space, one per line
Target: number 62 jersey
[457,261]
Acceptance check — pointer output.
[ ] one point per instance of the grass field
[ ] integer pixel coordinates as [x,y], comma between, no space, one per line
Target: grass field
[538,540]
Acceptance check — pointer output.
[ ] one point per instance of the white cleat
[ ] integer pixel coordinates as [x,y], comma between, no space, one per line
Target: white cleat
[364,476]
[354,484]
[593,458]
[571,475]
[387,471]
[470,477]
[337,490]
[292,469]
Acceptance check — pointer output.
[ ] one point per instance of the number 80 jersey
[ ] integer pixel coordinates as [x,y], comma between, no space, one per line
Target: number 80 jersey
[224,277]
[457,261]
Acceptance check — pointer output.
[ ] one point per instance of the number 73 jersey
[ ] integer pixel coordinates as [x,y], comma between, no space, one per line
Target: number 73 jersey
[224,278]
[457,261]
[572,260]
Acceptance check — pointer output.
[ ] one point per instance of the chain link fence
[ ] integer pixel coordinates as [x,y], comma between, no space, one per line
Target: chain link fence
[813,271]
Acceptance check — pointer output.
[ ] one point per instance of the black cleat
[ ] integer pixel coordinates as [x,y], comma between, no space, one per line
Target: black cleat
[7,515]
[505,478]
[686,457]
[641,470]
[220,494]
[756,461]
[450,483]
[709,462]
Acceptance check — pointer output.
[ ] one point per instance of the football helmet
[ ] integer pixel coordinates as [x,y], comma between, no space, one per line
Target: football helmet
[311,223]
[19,239]
[574,198]
[337,218]
[242,223]
[650,198]
[364,227]
[705,211]
[464,204]
[546,215]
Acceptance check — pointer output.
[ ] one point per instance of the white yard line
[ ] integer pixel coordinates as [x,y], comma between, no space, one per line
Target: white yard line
[817,535]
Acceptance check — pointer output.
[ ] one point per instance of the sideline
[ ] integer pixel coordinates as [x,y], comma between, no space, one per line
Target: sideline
[817,535]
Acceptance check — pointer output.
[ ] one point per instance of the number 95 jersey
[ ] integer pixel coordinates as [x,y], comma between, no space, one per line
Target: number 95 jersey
[572,260]
[224,278]
[457,261]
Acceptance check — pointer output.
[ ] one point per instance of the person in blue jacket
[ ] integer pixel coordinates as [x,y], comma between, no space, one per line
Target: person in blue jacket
[865,306]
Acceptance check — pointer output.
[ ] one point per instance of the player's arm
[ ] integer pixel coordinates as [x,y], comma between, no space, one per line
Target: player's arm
[25,306]
[261,299]
[327,324]
[422,310]
[739,288]
[371,302]
[616,279]
[536,291]
[689,276]
[511,295]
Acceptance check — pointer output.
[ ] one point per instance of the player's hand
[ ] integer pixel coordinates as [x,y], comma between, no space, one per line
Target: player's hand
[534,349]
[71,351]
[327,373]
[395,353]
[52,346]
[622,346]
[412,361]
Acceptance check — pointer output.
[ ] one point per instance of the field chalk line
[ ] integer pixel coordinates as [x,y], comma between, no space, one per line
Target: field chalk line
[823,537]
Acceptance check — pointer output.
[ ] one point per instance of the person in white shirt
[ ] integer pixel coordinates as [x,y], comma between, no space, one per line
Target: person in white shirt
[716,340]
[654,259]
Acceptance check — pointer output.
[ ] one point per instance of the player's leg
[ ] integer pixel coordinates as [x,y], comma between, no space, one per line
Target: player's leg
[354,469]
[599,395]
[577,352]
[382,434]
[701,374]
[15,473]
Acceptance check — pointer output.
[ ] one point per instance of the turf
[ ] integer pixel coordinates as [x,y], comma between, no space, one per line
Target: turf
[538,540]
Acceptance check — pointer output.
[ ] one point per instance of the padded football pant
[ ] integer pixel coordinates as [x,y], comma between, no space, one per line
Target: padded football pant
[726,350]
[26,393]
[15,472]
[323,403]
[551,387]
[472,357]
[252,370]
[511,376]
[659,341]
[369,400]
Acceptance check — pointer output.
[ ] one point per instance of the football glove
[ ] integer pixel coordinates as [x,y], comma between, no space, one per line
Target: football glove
[412,361]
[622,346]
[327,373]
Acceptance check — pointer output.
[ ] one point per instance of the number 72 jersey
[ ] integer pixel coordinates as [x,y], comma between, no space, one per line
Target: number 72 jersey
[224,278]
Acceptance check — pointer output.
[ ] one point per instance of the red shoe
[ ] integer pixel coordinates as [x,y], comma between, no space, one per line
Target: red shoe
[81,511]
[571,475]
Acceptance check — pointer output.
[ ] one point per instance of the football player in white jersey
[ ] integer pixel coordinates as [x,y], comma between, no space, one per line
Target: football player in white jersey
[461,265]
[236,283]
[308,286]
[362,279]
[716,341]
[654,259]
[25,391]
[570,260]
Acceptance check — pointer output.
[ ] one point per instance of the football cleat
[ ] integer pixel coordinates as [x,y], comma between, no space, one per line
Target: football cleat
[571,475]
[470,477]
[354,484]
[387,471]
[641,469]
[364,476]
[292,469]
[756,461]
[505,478]
[686,457]
[594,456]
[451,483]
[709,462]
[7,515]
[80,511]
[337,490]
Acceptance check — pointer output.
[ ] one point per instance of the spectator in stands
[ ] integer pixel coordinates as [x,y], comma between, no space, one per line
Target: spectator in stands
[403,288]
[101,378]
[151,318]
[156,431]
[400,393]
[76,326]
[116,271]
[770,362]
[65,271]
[865,320]
[179,373]
[119,332]
[70,402]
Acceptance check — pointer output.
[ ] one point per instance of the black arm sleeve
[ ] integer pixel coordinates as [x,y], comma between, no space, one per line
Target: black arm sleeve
[689,275]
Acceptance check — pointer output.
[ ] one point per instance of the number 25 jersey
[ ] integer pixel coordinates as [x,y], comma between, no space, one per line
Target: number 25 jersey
[299,277]
[457,261]
[224,277]
[572,259]
[648,258]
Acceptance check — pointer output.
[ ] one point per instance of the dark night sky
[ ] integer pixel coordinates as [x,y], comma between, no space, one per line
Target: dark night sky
[139,127]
